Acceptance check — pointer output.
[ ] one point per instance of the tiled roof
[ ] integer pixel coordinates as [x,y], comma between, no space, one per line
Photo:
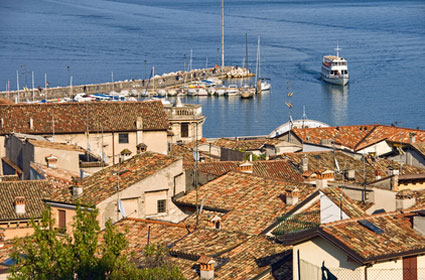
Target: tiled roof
[57,177]
[393,134]
[55,145]
[75,117]
[186,152]
[252,203]
[318,160]
[398,236]
[5,254]
[210,242]
[357,137]
[244,145]
[349,206]
[238,256]
[420,147]
[278,169]
[103,183]
[348,136]
[310,217]
[138,230]
[32,191]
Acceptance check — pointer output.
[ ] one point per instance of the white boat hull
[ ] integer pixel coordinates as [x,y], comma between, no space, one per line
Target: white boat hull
[336,81]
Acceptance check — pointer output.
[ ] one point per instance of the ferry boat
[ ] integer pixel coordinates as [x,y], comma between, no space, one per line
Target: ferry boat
[334,69]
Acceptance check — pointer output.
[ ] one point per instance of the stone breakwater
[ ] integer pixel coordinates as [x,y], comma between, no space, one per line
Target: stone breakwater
[134,87]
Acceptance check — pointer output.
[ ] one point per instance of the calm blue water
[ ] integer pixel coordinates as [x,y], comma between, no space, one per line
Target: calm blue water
[383,41]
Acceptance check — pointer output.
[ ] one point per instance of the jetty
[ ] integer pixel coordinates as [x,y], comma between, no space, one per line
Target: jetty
[132,87]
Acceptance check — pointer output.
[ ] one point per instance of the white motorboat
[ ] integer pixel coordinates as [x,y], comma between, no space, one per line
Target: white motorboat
[232,90]
[172,92]
[265,84]
[202,92]
[335,69]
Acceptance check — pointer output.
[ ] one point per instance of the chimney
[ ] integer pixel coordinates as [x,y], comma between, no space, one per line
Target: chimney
[350,174]
[304,163]
[419,223]
[404,199]
[246,167]
[139,123]
[51,161]
[378,174]
[31,124]
[141,148]
[292,196]
[390,171]
[412,138]
[215,222]
[394,182]
[77,188]
[20,205]
[206,267]
[125,154]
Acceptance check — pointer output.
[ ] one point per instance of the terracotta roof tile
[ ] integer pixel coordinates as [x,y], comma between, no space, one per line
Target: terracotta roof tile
[278,169]
[32,191]
[76,116]
[398,235]
[238,255]
[103,183]
[252,203]
[326,160]
[357,137]
[245,145]
[55,145]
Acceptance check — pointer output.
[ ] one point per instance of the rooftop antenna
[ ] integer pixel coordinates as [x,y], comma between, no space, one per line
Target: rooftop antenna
[17,86]
[304,116]
[222,34]
[190,60]
[246,50]
[53,126]
[195,179]
[337,49]
[289,104]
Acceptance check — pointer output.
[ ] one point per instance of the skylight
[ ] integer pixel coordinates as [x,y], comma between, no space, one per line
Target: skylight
[371,226]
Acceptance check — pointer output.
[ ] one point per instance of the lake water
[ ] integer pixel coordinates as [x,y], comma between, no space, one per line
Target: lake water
[383,41]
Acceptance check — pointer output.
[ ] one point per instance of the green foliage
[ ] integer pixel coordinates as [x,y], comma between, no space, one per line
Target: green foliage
[49,255]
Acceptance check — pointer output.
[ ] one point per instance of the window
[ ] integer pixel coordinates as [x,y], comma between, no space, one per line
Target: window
[184,130]
[62,219]
[123,138]
[162,206]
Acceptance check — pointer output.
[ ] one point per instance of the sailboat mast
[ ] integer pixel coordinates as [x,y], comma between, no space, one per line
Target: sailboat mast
[246,51]
[222,33]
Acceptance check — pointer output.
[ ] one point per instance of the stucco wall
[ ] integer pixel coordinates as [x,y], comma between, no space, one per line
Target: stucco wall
[15,230]
[68,160]
[155,140]
[170,179]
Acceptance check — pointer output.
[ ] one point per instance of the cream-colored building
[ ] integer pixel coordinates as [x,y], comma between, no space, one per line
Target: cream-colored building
[103,128]
[186,121]
[21,201]
[140,187]
[384,246]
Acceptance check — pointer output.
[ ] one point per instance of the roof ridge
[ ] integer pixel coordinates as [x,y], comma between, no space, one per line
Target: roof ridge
[155,222]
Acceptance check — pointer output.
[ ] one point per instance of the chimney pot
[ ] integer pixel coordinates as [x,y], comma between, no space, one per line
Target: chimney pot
[292,196]
[77,190]
[31,124]
[20,205]
[304,162]
[206,267]
[51,161]
[412,138]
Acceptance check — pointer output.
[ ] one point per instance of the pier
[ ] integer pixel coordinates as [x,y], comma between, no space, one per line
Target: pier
[134,87]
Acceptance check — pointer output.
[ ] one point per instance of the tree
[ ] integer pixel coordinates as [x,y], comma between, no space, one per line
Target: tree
[49,255]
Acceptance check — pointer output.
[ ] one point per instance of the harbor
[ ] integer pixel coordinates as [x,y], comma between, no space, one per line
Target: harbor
[196,82]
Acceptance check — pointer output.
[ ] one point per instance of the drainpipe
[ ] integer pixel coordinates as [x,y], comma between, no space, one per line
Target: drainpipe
[298,264]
